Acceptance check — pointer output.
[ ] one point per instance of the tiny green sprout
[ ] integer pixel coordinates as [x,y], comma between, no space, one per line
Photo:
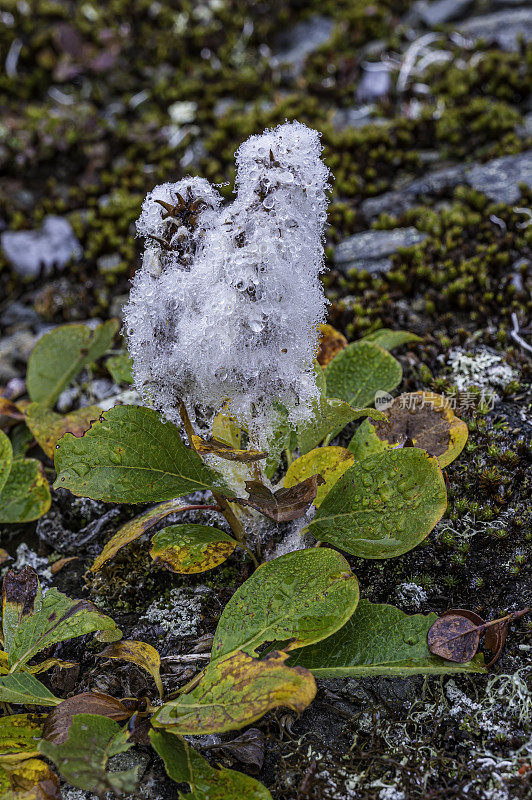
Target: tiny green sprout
[500,533]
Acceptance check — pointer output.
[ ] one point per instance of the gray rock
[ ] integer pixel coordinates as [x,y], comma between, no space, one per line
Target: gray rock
[441,11]
[18,314]
[370,250]
[14,349]
[295,44]
[500,178]
[393,203]
[400,200]
[357,117]
[505,28]
[375,82]
[109,262]
[434,183]
[55,243]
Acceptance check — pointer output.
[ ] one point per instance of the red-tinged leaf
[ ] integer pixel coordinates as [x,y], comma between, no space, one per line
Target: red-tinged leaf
[58,723]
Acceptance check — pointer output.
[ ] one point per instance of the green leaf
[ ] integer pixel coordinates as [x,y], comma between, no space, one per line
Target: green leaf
[25,689]
[235,692]
[131,456]
[189,548]
[185,765]
[360,370]
[120,367]
[55,619]
[21,438]
[26,493]
[383,506]
[321,380]
[379,640]
[329,417]
[388,339]
[82,760]
[6,459]
[279,441]
[61,354]
[303,596]
[329,462]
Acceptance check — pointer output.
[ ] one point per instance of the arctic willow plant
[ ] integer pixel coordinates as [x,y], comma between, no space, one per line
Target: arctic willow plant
[226,307]
[222,325]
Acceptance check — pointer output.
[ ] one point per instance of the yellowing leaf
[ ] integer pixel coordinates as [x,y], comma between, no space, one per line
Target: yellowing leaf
[134,529]
[139,653]
[188,549]
[237,691]
[225,429]
[19,735]
[222,450]
[44,666]
[331,342]
[48,427]
[4,663]
[29,780]
[329,462]
[418,419]
[10,410]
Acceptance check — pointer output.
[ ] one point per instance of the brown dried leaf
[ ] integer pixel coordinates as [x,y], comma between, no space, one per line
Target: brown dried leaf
[416,419]
[455,635]
[19,592]
[58,723]
[222,450]
[58,565]
[247,748]
[10,410]
[284,504]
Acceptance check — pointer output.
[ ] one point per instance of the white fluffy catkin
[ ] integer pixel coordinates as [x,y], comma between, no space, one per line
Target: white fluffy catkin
[225,309]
